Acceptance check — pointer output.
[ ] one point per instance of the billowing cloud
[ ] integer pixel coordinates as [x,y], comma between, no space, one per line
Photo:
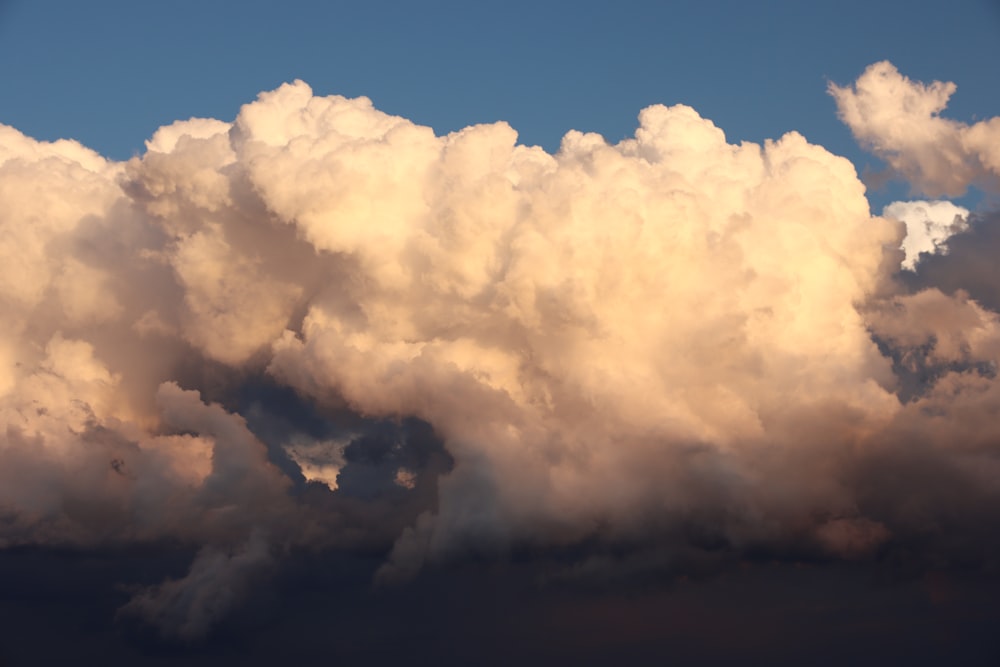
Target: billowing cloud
[900,121]
[928,225]
[675,350]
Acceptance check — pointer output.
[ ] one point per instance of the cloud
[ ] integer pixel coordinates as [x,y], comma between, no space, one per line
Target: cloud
[928,225]
[899,120]
[319,461]
[966,263]
[672,345]
[572,325]
[187,608]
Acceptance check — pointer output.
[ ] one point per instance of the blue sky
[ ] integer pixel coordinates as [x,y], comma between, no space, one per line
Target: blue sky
[109,73]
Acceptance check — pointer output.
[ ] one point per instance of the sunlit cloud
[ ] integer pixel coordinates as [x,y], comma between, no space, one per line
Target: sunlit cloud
[928,225]
[614,343]
[319,461]
[900,121]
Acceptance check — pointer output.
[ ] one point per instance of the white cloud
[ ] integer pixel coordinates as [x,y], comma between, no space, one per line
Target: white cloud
[928,225]
[899,120]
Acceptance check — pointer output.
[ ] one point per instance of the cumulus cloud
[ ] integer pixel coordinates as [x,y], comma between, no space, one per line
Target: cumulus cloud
[928,225]
[669,345]
[899,120]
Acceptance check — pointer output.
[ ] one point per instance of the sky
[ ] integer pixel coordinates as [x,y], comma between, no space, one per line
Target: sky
[486,333]
[109,75]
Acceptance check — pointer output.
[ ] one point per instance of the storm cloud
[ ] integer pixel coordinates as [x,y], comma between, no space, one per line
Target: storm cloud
[323,327]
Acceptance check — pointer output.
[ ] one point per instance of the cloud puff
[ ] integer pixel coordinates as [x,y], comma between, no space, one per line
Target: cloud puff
[899,120]
[928,225]
[668,345]
[319,461]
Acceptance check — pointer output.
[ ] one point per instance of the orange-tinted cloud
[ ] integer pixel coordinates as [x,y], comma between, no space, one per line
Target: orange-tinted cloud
[673,345]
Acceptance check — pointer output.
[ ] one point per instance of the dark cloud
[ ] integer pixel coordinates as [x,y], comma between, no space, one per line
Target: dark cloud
[320,607]
[967,264]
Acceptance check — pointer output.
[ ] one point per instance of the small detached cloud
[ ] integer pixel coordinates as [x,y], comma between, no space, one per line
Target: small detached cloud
[319,460]
[899,120]
[406,478]
[928,225]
